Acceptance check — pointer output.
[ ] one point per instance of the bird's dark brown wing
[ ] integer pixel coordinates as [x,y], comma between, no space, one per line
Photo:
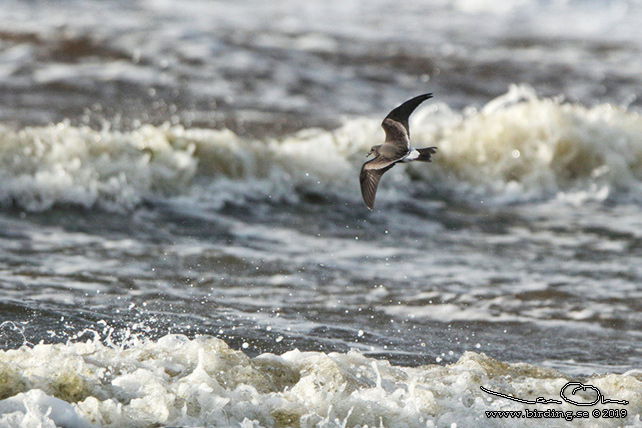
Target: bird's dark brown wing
[371,173]
[397,142]
[401,115]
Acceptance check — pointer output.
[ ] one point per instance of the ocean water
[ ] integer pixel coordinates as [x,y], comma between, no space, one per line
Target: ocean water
[183,240]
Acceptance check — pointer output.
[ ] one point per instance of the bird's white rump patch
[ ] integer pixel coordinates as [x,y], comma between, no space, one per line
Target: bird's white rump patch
[411,156]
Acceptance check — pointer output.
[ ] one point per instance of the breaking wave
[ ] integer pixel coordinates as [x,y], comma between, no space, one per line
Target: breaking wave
[518,147]
[175,381]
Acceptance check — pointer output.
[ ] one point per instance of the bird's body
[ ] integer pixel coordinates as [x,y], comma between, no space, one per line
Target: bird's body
[395,149]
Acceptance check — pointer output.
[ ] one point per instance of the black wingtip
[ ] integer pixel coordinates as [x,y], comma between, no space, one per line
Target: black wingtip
[403,112]
[368,200]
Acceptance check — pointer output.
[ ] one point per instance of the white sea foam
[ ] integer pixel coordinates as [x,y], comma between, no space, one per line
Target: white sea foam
[521,147]
[517,148]
[64,164]
[202,382]
[37,409]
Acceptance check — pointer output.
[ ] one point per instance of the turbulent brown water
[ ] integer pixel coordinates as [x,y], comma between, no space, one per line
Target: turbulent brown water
[183,241]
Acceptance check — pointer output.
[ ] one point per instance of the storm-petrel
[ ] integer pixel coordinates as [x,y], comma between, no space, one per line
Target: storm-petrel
[395,149]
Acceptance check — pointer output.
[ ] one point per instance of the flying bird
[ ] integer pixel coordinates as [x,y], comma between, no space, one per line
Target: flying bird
[395,149]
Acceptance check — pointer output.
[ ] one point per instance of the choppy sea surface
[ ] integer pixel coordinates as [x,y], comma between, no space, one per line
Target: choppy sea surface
[183,240]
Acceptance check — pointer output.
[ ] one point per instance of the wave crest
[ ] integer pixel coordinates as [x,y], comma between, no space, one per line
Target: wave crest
[202,382]
[519,147]
[43,166]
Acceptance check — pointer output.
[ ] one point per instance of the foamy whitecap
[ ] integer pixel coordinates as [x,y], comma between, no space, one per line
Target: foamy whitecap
[518,147]
[62,164]
[521,147]
[176,381]
[37,409]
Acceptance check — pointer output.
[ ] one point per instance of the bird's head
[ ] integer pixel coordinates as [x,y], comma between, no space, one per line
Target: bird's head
[374,151]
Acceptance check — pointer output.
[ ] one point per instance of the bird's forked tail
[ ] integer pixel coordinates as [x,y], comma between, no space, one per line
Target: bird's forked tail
[424,154]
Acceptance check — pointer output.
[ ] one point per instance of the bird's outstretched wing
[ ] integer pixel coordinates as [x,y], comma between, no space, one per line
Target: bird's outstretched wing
[371,173]
[399,116]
